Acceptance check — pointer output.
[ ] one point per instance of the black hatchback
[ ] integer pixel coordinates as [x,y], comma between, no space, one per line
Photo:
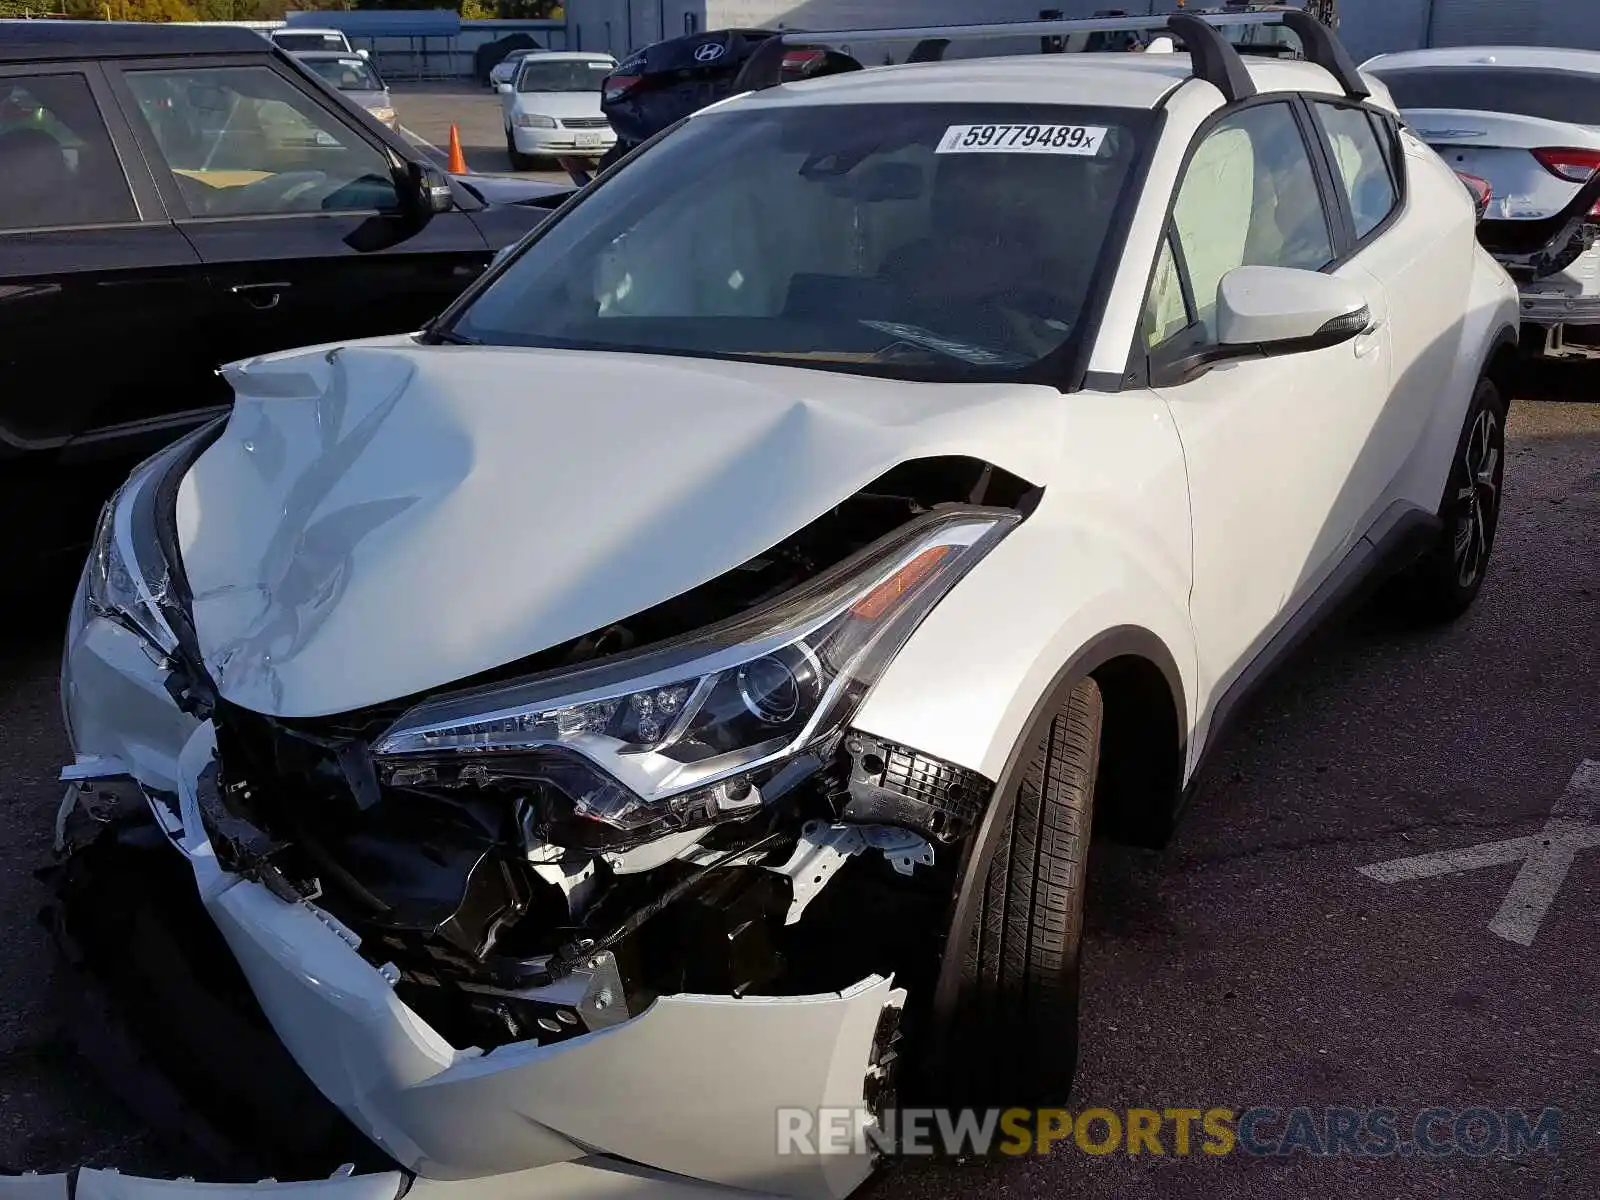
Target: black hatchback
[173,198]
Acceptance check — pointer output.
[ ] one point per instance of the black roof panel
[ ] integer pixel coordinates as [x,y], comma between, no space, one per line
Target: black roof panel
[33,41]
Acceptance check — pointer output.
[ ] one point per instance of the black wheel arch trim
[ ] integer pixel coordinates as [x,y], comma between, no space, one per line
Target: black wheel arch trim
[1505,347]
[1397,537]
[1117,642]
[1506,338]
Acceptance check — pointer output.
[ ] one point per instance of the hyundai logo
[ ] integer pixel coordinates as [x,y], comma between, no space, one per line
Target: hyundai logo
[709,52]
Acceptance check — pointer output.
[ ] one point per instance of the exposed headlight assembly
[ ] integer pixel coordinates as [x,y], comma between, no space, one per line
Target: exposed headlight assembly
[127,578]
[686,734]
[127,575]
[534,121]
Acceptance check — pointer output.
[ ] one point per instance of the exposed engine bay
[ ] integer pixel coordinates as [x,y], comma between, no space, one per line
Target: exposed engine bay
[513,897]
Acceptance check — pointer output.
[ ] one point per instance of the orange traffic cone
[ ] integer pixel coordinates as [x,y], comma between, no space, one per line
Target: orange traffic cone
[458,161]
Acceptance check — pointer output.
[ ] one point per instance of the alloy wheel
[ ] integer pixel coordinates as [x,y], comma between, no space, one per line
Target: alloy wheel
[1478,498]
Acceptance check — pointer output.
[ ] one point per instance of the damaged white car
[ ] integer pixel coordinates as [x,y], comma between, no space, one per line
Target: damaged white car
[680,683]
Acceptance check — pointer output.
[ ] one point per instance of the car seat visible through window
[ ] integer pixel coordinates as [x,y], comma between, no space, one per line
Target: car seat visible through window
[36,179]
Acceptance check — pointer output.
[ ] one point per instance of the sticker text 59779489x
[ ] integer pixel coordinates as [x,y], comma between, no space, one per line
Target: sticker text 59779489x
[1022,139]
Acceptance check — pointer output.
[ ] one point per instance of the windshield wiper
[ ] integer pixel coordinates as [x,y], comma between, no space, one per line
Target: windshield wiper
[449,337]
[977,356]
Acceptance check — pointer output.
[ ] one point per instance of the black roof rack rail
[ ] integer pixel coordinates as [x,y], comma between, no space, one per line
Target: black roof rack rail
[1327,51]
[1216,60]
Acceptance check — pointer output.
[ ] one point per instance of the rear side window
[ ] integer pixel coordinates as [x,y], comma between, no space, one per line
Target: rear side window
[1361,162]
[1550,95]
[57,164]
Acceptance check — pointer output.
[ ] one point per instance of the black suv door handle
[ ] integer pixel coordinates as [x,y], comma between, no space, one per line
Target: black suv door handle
[260,296]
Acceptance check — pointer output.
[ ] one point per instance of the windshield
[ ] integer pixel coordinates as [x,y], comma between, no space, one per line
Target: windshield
[568,76]
[1549,95]
[347,74]
[930,240]
[311,41]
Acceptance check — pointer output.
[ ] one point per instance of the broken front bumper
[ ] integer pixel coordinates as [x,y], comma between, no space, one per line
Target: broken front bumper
[593,1179]
[692,1086]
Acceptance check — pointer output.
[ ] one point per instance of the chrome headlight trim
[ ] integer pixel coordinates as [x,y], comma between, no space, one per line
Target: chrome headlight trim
[127,578]
[841,629]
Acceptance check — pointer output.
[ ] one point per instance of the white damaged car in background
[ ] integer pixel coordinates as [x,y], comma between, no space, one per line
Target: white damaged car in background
[521,757]
[1522,125]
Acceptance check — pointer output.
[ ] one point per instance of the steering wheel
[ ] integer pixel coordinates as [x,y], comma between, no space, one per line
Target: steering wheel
[281,190]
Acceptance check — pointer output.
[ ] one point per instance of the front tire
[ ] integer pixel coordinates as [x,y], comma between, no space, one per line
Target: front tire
[519,160]
[1443,584]
[1014,1035]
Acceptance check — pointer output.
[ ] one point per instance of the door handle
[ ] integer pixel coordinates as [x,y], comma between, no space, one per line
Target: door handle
[262,297]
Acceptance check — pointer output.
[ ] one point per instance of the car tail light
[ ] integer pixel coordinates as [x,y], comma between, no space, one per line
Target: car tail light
[618,86]
[796,62]
[1573,165]
[1481,190]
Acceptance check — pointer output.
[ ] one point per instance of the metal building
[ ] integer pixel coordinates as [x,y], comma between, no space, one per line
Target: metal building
[1373,26]
[1367,27]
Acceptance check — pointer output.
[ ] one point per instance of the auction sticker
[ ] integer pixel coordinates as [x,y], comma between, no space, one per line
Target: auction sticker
[1022,139]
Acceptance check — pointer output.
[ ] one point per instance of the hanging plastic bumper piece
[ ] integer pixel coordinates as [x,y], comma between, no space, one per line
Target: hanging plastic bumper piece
[682,1099]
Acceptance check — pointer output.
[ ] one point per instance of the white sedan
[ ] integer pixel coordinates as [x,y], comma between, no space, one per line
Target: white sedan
[678,686]
[551,107]
[1523,123]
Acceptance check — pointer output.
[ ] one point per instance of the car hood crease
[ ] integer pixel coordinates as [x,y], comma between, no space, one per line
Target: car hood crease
[386,518]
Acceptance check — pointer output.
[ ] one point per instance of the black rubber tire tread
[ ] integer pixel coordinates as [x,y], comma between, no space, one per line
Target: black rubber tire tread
[1016,1040]
[519,160]
[1429,592]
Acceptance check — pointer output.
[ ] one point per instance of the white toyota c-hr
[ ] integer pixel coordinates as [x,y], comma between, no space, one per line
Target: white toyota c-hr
[679,684]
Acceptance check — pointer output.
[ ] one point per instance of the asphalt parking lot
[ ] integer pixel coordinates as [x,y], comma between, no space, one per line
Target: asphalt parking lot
[1251,963]
[426,113]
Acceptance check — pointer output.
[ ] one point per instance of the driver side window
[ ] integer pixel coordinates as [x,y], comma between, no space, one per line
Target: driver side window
[243,141]
[1249,197]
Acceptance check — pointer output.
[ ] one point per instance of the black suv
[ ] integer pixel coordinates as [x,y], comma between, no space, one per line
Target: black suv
[173,198]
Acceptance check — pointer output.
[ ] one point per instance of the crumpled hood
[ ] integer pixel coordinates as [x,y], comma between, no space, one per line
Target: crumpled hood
[385,518]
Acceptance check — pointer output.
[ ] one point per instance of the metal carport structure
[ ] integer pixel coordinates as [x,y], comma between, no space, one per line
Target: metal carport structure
[405,43]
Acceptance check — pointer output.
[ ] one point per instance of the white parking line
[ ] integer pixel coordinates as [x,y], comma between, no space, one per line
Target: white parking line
[1546,858]
[1571,828]
[1448,862]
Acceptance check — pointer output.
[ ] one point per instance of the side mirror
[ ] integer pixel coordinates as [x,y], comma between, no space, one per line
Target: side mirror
[364,53]
[424,191]
[503,88]
[1264,312]
[1267,311]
